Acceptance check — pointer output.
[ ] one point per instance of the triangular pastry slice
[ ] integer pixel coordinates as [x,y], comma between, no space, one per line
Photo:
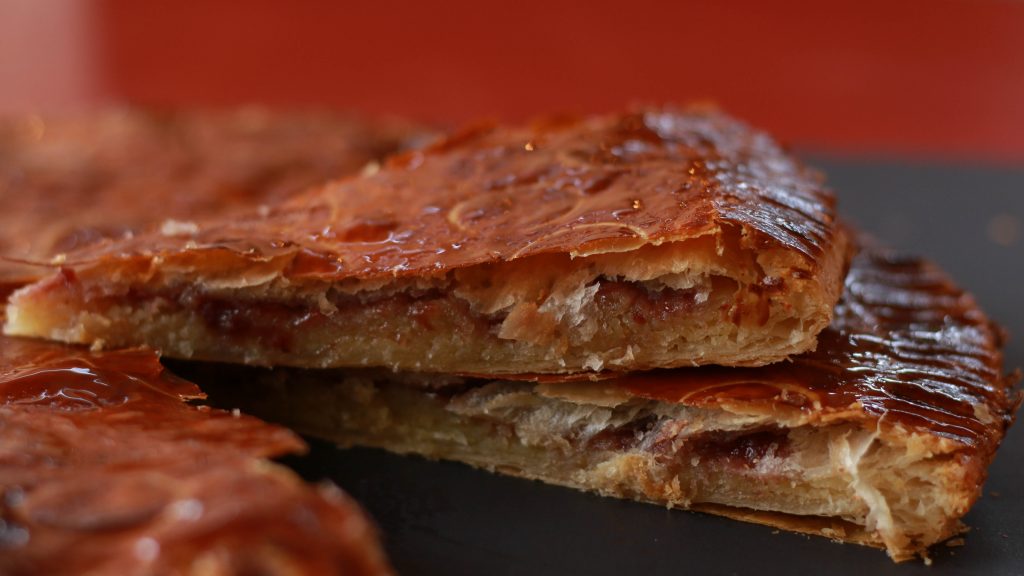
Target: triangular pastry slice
[651,239]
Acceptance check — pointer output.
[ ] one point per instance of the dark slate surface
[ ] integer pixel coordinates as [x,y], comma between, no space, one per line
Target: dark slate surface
[444,518]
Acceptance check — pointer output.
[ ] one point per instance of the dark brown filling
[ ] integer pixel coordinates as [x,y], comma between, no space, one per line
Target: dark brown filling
[274,324]
[271,324]
[738,450]
[641,304]
[622,438]
[744,449]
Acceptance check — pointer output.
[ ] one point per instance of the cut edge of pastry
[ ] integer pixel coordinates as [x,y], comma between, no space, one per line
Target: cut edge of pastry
[849,477]
[709,299]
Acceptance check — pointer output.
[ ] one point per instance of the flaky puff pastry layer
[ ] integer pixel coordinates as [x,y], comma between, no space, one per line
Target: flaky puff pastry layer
[658,238]
[882,436]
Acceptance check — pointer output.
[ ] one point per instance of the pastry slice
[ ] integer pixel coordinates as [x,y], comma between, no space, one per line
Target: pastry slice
[882,436]
[105,469]
[659,238]
[67,181]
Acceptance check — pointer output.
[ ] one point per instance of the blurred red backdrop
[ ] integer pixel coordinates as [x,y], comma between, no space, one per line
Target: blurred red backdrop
[929,78]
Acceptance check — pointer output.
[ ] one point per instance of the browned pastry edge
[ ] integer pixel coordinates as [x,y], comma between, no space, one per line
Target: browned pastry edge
[832,528]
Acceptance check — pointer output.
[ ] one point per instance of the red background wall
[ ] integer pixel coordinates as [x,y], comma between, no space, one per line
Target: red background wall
[931,78]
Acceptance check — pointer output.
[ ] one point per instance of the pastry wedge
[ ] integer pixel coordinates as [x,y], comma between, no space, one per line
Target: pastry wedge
[105,469]
[881,436]
[652,239]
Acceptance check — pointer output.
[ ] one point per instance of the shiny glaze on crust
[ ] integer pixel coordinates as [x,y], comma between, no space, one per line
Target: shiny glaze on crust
[490,194]
[104,468]
[906,347]
[68,181]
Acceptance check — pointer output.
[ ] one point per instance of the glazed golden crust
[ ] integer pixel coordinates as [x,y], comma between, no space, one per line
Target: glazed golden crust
[659,238]
[68,181]
[487,195]
[104,468]
[881,436]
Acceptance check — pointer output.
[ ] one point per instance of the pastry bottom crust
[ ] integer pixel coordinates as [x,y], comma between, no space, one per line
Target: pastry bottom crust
[839,480]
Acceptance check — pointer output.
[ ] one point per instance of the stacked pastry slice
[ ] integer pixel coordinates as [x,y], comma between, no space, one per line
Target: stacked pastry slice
[644,305]
[880,436]
[631,242]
